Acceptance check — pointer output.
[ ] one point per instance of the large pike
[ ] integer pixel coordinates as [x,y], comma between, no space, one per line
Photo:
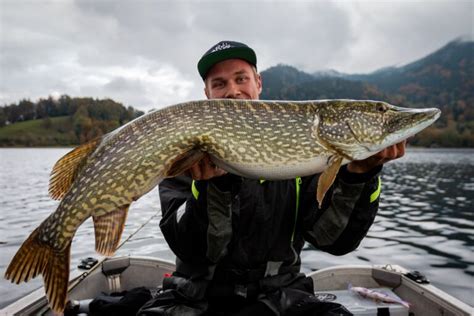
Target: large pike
[255,139]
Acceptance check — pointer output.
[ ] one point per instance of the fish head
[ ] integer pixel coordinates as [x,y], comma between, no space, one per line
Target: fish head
[359,129]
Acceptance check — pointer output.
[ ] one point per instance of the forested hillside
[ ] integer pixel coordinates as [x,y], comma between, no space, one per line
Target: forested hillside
[62,121]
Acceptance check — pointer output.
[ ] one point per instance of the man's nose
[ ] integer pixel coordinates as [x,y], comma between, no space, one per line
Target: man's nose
[233,91]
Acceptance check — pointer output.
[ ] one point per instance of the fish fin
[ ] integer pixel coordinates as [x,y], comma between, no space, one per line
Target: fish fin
[108,230]
[183,162]
[326,179]
[34,258]
[68,167]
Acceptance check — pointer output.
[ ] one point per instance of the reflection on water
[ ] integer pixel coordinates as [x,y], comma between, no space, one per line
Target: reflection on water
[425,220]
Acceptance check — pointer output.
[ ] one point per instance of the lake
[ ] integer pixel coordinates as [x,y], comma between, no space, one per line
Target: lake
[425,221]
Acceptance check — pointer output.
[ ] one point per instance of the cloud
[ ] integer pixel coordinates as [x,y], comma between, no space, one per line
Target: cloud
[154,86]
[144,53]
[389,33]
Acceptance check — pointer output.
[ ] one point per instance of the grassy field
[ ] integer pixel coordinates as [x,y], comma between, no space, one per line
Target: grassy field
[56,131]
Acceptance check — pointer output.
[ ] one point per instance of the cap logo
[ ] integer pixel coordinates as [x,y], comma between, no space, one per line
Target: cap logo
[221,47]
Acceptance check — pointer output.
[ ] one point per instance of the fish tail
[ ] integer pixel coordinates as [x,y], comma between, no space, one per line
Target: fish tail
[34,258]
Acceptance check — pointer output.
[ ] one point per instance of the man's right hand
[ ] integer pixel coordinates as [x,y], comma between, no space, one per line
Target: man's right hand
[205,169]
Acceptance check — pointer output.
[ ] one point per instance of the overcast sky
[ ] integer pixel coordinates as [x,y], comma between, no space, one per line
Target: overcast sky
[144,53]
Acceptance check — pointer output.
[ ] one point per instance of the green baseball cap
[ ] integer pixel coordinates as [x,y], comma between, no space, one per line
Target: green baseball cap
[222,51]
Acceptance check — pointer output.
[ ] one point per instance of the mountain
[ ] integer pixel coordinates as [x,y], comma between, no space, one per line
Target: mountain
[284,82]
[443,79]
[328,73]
[448,71]
[276,80]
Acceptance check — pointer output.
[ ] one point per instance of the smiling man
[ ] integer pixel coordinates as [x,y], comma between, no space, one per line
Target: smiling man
[233,79]
[237,240]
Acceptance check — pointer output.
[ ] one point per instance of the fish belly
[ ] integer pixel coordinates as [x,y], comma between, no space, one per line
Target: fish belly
[278,171]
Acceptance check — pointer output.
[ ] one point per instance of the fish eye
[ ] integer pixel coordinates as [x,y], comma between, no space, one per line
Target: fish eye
[381,107]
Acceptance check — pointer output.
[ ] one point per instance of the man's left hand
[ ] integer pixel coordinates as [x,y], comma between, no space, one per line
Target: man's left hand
[390,153]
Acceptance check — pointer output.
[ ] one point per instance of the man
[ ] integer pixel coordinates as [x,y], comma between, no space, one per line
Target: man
[238,241]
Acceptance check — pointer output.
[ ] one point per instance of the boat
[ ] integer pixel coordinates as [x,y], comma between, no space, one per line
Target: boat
[121,273]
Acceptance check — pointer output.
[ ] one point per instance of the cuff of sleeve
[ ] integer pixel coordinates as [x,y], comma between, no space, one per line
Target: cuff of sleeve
[353,178]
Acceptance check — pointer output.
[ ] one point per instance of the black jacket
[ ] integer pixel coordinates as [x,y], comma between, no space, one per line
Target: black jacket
[247,229]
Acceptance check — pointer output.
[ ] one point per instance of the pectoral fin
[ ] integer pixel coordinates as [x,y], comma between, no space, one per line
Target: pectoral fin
[108,230]
[68,167]
[326,179]
[183,162]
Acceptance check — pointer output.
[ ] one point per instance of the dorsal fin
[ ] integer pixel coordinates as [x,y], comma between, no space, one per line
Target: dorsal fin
[68,167]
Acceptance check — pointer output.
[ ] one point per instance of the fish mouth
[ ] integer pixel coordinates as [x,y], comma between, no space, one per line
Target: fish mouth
[406,123]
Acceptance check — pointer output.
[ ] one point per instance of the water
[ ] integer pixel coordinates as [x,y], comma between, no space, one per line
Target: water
[425,220]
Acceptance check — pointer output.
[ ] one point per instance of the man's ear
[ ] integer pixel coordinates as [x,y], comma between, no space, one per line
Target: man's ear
[206,91]
[259,83]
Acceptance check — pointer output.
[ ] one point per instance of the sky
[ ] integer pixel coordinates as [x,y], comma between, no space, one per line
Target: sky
[144,53]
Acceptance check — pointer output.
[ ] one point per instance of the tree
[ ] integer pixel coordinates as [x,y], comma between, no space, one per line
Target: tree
[3,117]
[82,124]
[26,110]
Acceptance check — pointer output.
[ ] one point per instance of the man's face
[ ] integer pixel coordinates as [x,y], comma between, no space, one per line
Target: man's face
[233,79]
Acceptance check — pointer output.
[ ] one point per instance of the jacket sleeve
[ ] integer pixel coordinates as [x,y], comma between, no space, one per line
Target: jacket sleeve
[199,231]
[348,211]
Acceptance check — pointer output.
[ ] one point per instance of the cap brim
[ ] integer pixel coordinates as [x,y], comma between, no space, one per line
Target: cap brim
[208,61]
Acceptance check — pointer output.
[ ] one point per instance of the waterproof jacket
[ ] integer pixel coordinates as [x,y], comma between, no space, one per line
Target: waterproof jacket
[236,230]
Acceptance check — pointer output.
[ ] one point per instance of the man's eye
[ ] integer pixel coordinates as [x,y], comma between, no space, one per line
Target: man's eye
[217,85]
[241,79]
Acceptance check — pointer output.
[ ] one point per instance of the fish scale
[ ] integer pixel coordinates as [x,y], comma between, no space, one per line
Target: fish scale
[272,140]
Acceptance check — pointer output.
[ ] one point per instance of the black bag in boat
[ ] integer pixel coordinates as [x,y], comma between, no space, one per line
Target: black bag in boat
[179,296]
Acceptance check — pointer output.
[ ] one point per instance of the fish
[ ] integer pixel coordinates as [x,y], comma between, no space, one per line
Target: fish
[270,140]
[377,296]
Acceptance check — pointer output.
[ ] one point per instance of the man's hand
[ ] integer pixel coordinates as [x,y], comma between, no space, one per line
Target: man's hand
[390,153]
[205,169]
